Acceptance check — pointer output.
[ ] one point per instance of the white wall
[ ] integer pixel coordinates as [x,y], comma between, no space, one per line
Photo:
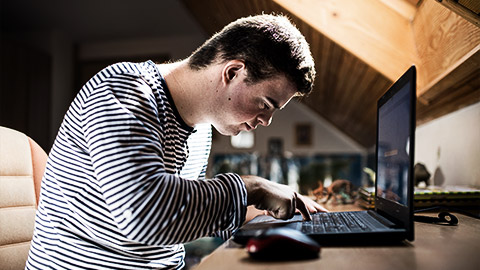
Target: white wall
[450,147]
[326,138]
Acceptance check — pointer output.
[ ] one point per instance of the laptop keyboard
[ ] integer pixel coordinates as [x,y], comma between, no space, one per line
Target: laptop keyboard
[341,222]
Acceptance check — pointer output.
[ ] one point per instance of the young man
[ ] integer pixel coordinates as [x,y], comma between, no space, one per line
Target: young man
[124,185]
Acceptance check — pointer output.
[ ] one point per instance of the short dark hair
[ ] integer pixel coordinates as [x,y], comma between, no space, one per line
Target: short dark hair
[268,44]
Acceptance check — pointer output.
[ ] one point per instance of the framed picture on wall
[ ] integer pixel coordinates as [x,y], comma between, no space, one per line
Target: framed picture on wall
[303,134]
[275,147]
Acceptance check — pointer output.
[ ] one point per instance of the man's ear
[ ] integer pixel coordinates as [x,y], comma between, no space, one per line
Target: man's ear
[231,70]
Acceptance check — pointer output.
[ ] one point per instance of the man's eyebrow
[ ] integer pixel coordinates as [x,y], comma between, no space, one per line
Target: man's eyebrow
[274,103]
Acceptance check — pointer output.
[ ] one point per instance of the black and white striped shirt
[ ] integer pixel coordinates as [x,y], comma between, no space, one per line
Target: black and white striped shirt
[120,189]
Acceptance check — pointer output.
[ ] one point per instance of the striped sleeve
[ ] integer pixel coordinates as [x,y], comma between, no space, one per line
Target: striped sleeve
[125,132]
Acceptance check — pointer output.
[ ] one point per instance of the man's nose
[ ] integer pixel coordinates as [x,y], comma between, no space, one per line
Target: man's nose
[265,119]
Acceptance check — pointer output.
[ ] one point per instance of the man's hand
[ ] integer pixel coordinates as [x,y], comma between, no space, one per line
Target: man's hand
[279,201]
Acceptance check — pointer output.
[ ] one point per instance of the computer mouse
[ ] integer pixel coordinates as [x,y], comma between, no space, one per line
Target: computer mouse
[282,243]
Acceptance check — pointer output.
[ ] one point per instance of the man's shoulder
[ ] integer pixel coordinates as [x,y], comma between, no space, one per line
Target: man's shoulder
[125,74]
[137,70]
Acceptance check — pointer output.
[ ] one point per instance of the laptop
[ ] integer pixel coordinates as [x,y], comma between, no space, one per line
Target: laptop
[392,218]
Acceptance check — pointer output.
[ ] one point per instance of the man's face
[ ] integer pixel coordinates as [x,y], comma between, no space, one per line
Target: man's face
[245,105]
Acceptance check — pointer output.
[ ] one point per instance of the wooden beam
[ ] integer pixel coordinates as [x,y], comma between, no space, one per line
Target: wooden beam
[458,73]
[457,90]
[445,43]
[468,9]
[404,8]
[368,29]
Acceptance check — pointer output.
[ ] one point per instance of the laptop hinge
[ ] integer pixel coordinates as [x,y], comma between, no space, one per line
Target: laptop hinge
[382,219]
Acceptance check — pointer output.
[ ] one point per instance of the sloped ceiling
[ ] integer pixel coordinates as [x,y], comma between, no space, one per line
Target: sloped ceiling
[362,47]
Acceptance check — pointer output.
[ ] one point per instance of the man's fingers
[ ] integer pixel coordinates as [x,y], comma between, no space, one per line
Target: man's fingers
[313,206]
[318,208]
[312,209]
[301,206]
[321,208]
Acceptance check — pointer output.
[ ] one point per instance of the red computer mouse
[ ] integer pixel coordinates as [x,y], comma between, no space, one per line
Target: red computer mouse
[282,244]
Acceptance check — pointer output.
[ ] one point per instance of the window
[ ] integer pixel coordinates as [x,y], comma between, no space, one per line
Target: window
[243,140]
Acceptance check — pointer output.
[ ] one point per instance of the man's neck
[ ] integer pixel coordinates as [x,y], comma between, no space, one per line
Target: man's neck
[191,90]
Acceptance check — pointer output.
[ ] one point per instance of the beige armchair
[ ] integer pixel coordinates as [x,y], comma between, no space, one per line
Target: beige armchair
[22,164]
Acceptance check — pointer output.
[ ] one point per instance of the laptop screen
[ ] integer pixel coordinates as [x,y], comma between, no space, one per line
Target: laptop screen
[393,162]
[395,151]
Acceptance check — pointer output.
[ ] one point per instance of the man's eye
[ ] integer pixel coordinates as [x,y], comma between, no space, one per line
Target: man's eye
[265,106]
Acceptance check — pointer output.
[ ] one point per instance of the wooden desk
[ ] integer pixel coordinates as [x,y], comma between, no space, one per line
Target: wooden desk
[435,247]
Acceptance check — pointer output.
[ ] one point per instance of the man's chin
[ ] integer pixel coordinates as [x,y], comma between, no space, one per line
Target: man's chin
[229,132]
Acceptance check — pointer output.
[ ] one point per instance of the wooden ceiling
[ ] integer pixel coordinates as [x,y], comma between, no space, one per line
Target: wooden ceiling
[362,47]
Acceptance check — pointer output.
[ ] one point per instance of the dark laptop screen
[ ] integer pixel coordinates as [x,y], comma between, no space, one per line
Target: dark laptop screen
[394,146]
